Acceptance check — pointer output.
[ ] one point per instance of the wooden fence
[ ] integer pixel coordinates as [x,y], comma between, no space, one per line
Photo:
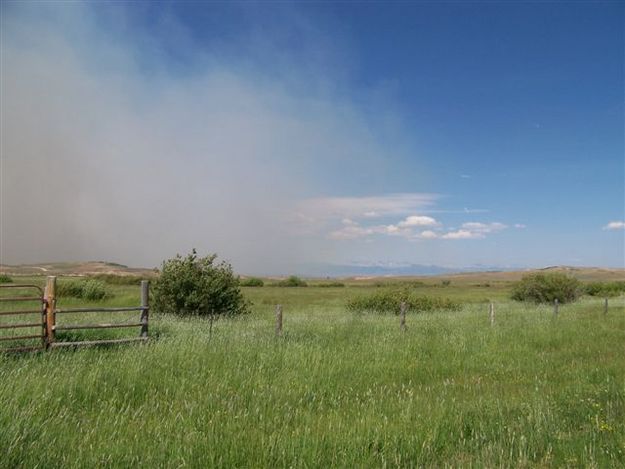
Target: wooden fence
[46,301]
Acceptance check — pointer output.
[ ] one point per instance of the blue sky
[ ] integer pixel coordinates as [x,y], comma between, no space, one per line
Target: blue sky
[282,134]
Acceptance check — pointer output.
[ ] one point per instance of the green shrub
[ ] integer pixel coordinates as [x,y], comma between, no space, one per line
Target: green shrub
[93,290]
[112,279]
[292,281]
[333,284]
[604,289]
[545,288]
[252,282]
[4,278]
[445,283]
[72,288]
[197,286]
[84,289]
[390,302]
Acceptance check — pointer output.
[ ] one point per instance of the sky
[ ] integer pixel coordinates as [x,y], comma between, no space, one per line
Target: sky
[281,135]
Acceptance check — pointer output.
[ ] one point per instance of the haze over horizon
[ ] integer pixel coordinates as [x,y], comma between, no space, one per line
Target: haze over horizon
[285,135]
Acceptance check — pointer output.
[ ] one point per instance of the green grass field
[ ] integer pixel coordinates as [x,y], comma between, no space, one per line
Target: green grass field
[337,390]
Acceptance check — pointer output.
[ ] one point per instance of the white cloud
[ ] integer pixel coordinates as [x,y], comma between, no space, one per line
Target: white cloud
[351,232]
[406,229]
[520,226]
[478,227]
[418,220]
[428,234]
[615,225]
[462,234]
[328,208]
[475,230]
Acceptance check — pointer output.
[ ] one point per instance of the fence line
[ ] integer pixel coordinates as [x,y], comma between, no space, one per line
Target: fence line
[49,327]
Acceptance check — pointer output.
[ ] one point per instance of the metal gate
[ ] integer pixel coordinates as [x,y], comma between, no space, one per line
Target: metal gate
[16,313]
[47,312]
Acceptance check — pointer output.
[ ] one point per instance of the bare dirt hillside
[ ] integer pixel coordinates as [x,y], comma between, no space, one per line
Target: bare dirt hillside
[74,268]
[586,274]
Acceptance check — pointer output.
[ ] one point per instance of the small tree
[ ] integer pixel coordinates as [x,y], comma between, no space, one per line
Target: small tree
[545,288]
[198,286]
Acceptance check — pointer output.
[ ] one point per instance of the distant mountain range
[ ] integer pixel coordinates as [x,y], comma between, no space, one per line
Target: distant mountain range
[389,269]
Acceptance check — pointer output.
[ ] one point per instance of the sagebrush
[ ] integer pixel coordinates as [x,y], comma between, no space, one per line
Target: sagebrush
[5,279]
[113,279]
[333,284]
[252,282]
[291,281]
[92,290]
[605,288]
[390,302]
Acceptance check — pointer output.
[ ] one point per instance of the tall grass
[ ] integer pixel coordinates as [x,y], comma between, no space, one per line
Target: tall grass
[338,389]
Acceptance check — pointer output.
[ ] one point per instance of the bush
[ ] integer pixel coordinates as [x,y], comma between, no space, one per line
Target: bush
[197,286]
[84,289]
[71,288]
[292,281]
[445,283]
[113,279]
[390,302]
[604,289]
[545,288]
[93,290]
[4,278]
[252,282]
[331,284]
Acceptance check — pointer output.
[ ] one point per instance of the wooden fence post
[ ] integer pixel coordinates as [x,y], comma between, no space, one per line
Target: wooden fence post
[605,306]
[555,307]
[402,316]
[278,320]
[50,297]
[491,313]
[145,305]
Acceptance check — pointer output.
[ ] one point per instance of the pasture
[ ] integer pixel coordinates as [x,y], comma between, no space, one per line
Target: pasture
[338,389]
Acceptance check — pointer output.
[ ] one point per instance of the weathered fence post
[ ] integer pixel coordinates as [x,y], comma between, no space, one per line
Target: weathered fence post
[278,320]
[145,307]
[491,313]
[555,307]
[605,306]
[50,298]
[402,316]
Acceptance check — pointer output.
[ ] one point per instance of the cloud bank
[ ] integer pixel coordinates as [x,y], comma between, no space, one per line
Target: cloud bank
[412,228]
